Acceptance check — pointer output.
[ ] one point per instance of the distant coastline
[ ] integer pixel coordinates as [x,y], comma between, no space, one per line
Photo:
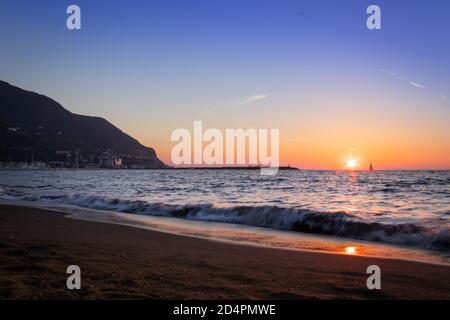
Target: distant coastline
[44,166]
[232,168]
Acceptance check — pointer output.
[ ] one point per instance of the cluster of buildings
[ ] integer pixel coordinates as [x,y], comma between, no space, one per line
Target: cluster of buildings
[68,159]
[102,162]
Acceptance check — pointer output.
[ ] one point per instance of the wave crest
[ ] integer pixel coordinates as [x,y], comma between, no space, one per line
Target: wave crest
[337,223]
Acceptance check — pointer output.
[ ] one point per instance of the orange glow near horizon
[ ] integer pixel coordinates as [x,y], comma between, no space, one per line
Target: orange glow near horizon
[387,143]
[330,155]
[315,154]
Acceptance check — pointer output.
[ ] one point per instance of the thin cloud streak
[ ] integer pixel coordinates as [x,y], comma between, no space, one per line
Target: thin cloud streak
[414,84]
[253,99]
[208,111]
[388,72]
[417,85]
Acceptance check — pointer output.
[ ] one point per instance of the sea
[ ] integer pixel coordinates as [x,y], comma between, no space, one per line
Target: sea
[389,214]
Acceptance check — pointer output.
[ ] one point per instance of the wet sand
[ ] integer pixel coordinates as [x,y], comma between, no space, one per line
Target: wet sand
[120,262]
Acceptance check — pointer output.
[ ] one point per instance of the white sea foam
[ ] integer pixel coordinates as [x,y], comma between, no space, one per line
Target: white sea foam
[407,208]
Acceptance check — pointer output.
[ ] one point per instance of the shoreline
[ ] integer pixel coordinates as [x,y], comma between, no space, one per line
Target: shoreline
[322,241]
[253,236]
[281,168]
[117,261]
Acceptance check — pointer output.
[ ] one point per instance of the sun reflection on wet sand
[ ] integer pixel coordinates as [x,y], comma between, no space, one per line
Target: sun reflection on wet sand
[351,250]
[260,236]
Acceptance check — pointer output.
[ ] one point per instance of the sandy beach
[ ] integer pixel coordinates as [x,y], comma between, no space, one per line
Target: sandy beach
[119,262]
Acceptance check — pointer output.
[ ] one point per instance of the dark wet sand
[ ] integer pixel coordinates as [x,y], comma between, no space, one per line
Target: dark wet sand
[36,246]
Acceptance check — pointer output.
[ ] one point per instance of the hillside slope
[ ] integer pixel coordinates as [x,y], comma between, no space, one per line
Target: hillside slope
[33,124]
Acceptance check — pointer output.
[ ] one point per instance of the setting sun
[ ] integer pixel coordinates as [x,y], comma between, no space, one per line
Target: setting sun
[351,163]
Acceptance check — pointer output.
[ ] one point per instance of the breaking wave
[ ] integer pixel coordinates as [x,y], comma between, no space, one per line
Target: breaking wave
[338,223]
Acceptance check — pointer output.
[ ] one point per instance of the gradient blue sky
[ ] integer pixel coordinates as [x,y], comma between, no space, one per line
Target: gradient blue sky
[153,66]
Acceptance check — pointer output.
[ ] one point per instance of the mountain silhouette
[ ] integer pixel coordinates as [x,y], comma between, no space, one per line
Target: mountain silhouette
[34,125]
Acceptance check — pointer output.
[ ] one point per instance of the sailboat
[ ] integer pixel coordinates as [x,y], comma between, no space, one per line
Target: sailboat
[371,167]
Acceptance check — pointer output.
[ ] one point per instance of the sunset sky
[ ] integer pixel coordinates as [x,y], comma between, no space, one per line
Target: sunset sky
[309,68]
